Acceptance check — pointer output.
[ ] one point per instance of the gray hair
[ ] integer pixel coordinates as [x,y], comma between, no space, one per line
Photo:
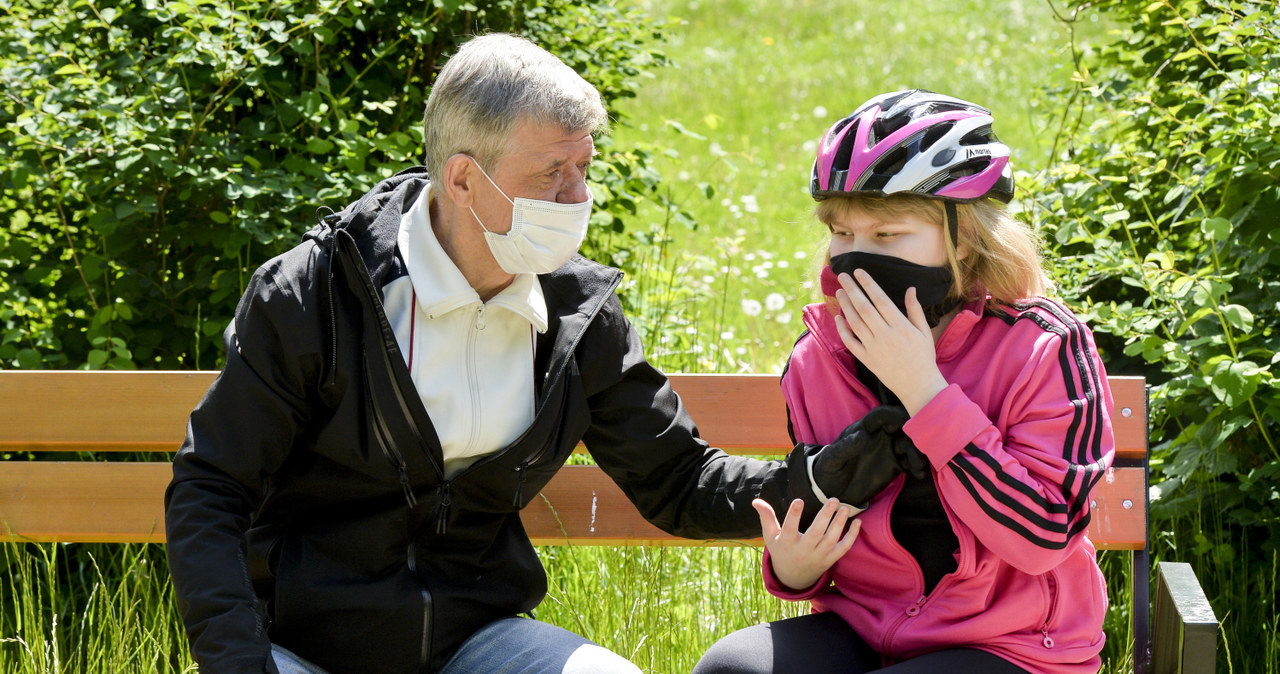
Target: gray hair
[492,84]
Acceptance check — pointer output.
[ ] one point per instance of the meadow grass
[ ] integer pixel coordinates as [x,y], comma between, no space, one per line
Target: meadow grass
[754,86]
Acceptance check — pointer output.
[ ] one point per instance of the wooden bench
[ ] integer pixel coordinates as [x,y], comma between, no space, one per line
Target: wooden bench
[121,501]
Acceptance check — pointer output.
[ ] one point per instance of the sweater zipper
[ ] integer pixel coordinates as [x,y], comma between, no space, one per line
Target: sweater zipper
[478,324]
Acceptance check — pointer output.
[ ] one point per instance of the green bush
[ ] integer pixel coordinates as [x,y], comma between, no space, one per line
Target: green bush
[1162,209]
[154,153]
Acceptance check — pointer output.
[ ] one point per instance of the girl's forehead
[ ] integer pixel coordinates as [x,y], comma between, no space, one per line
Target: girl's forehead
[858,219]
[841,211]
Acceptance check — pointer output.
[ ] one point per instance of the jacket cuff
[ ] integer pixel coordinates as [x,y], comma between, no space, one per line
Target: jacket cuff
[946,425]
[777,589]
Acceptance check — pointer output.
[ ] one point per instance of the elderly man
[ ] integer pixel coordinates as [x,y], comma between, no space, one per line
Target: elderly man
[399,385]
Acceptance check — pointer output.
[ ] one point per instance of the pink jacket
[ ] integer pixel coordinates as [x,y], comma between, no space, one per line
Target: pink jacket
[1017,443]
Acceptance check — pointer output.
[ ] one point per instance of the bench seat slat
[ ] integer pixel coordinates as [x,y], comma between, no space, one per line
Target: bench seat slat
[123,502]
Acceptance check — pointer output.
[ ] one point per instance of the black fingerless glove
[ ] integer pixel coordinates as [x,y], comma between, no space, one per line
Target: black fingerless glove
[866,457]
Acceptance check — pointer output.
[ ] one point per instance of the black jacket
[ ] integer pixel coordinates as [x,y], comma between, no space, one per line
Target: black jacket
[308,506]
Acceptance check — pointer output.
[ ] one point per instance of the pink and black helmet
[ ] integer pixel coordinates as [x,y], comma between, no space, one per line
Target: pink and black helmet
[914,142]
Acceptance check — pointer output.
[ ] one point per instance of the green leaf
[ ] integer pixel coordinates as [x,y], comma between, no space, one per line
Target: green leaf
[1118,216]
[1235,383]
[1216,228]
[69,69]
[29,359]
[319,146]
[1238,317]
[97,358]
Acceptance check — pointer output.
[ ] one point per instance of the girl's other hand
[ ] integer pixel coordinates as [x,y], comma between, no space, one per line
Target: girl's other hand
[898,349]
[800,559]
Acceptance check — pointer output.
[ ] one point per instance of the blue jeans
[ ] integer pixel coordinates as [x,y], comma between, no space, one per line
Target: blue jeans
[509,646]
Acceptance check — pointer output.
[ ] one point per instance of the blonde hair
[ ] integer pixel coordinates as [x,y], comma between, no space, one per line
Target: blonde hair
[1003,257]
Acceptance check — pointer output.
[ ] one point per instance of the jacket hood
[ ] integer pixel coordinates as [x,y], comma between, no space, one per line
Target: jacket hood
[373,220]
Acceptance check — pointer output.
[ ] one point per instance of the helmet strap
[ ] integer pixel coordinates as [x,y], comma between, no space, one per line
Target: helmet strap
[953,223]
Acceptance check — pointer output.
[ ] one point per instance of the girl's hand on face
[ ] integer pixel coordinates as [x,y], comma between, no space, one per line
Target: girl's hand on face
[898,349]
[800,559]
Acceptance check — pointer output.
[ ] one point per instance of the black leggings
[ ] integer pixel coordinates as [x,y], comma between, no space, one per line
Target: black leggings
[824,642]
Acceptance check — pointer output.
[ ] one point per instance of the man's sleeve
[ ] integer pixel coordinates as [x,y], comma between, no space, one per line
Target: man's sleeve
[642,437]
[237,436]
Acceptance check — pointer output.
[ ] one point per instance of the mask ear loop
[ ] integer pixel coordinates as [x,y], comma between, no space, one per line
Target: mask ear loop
[953,225]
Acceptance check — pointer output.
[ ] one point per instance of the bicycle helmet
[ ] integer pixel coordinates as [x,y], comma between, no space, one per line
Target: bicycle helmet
[914,142]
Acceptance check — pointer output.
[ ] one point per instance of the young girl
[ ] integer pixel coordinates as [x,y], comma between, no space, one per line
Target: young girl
[974,556]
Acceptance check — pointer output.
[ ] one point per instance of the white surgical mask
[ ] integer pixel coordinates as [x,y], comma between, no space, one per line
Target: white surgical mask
[543,236]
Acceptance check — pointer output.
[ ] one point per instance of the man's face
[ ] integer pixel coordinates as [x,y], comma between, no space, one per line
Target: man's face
[542,162]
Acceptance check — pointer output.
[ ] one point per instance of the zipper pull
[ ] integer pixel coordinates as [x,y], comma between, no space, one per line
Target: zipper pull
[406,487]
[1048,640]
[480,318]
[442,509]
[520,486]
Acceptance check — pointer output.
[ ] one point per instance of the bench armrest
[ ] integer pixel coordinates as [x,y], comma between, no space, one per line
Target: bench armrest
[1186,630]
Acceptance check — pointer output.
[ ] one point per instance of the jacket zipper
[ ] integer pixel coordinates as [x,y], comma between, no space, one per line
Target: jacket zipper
[390,450]
[427,607]
[1051,581]
[910,611]
[442,507]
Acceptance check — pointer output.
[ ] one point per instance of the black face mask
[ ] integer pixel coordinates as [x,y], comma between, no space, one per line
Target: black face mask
[894,276]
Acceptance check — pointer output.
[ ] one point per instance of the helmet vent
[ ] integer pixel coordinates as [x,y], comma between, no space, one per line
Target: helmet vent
[979,136]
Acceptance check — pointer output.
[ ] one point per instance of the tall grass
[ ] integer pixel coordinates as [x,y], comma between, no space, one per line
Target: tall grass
[88,608]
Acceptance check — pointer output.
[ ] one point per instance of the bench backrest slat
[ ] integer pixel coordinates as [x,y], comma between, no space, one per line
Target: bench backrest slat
[114,411]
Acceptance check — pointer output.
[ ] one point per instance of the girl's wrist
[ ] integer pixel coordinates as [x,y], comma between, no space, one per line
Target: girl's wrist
[917,398]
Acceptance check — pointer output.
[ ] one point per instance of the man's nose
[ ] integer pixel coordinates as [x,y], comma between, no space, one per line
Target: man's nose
[575,192]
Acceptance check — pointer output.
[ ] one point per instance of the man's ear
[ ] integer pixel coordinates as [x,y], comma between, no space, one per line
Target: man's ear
[458,178]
